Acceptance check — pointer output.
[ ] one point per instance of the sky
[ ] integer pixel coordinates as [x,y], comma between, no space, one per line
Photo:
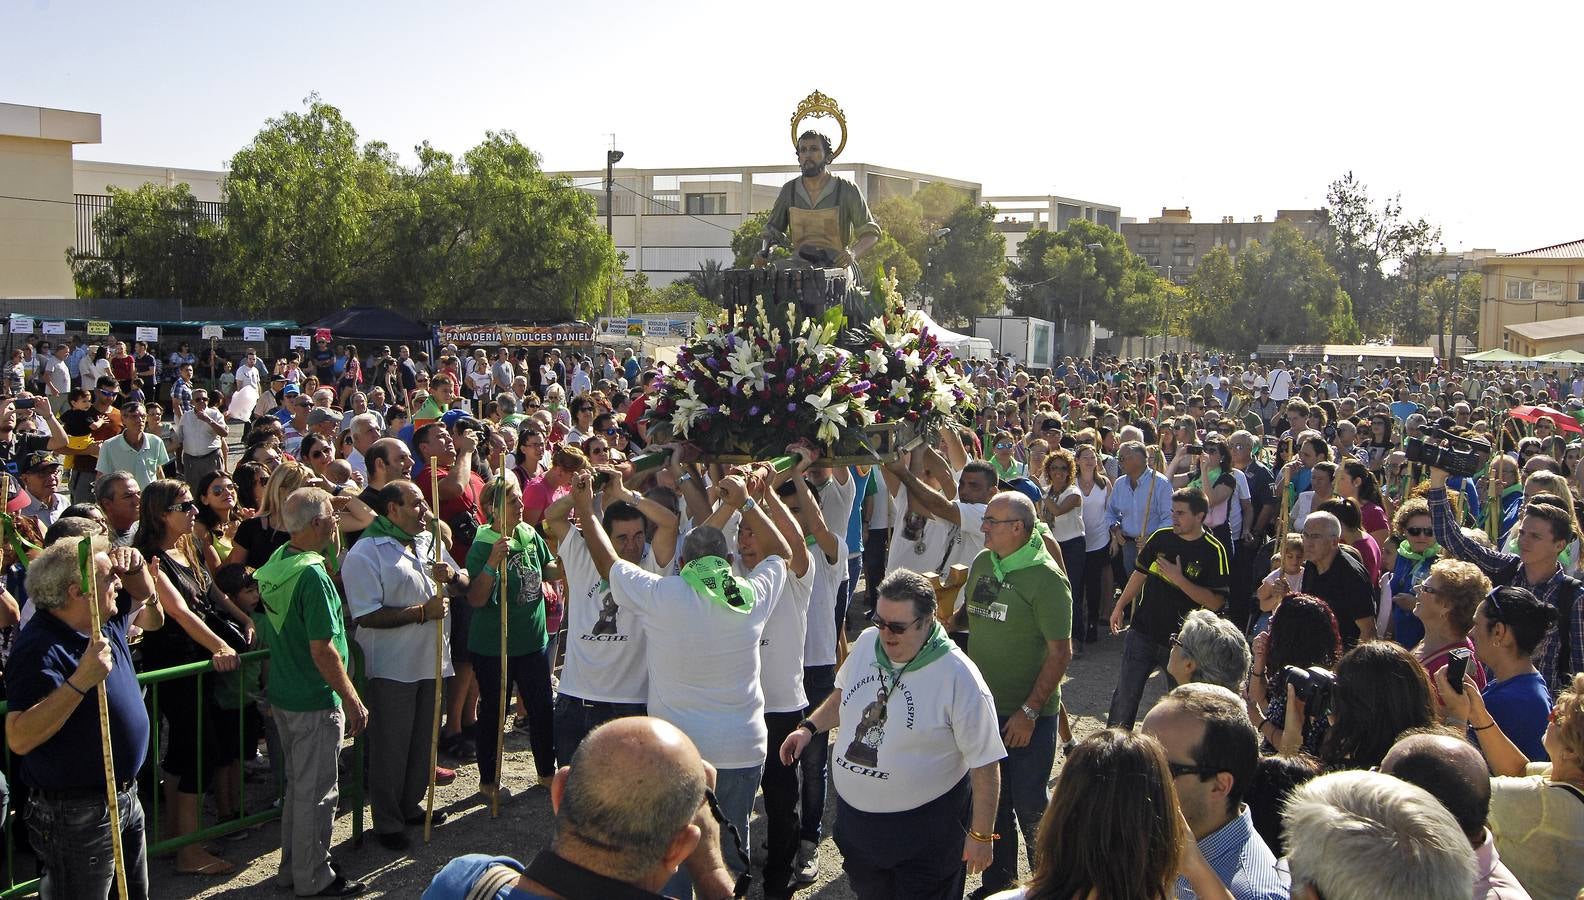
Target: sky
[1466,110]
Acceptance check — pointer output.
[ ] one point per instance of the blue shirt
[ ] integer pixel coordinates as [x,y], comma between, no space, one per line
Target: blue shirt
[1521,705]
[45,655]
[1127,504]
[855,525]
[1242,861]
[456,881]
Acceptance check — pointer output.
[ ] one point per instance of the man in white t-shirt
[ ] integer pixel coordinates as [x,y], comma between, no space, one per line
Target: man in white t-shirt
[918,727]
[702,630]
[1280,382]
[931,531]
[604,676]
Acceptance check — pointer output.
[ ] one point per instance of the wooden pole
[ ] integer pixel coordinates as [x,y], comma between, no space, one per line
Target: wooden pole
[111,800]
[505,682]
[439,654]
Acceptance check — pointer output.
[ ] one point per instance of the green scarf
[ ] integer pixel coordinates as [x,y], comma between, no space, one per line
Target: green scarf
[1406,551]
[935,646]
[711,578]
[277,580]
[1032,553]
[383,527]
[520,539]
[1204,485]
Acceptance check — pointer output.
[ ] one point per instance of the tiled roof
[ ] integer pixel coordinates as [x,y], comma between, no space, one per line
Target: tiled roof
[1569,250]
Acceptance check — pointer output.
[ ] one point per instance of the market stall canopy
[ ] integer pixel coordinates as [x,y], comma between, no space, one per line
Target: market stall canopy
[1572,357]
[1495,355]
[370,323]
[962,346]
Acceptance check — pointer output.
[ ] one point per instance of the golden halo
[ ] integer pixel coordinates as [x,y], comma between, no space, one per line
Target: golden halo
[818,106]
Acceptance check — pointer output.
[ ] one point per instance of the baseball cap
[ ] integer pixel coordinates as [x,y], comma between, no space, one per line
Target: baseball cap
[319,415]
[290,390]
[455,418]
[39,461]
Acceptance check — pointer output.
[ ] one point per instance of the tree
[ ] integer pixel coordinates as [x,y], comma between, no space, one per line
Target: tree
[154,242]
[1060,276]
[747,239]
[1455,302]
[709,280]
[1364,244]
[966,273]
[1280,292]
[676,297]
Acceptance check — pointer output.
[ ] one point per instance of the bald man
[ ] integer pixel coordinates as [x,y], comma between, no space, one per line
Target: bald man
[629,810]
[1453,772]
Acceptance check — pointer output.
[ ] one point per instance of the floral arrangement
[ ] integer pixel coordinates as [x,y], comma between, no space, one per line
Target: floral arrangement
[754,390]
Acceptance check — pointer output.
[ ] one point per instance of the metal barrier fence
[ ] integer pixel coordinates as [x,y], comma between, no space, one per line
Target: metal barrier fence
[148,782]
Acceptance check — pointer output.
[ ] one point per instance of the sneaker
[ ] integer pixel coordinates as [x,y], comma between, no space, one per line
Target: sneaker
[806,865]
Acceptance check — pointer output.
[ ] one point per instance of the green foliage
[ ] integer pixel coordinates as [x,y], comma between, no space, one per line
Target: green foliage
[709,281]
[1057,276]
[678,296]
[1279,293]
[747,238]
[965,277]
[890,256]
[1363,242]
[154,242]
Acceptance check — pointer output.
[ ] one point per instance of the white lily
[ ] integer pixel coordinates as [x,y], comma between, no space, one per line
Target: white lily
[911,361]
[876,358]
[746,366]
[830,415]
[688,411]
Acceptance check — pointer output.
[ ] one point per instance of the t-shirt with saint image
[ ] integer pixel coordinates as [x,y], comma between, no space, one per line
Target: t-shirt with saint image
[605,645]
[925,543]
[525,608]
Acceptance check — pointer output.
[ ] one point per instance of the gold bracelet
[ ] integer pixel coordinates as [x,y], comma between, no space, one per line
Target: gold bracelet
[983,838]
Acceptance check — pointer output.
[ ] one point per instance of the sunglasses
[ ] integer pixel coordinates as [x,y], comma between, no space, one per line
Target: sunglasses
[185,506]
[1179,769]
[612,432]
[597,449]
[893,627]
[1493,610]
[222,488]
[1003,446]
[1418,532]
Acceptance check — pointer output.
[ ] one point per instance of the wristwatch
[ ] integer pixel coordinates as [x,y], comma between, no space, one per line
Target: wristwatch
[1031,712]
[809,724]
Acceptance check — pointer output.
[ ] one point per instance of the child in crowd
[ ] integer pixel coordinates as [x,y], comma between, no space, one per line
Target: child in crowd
[1286,577]
[244,688]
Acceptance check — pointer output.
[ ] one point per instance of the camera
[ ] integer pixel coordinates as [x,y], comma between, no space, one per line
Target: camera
[1312,687]
[1441,449]
[1195,449]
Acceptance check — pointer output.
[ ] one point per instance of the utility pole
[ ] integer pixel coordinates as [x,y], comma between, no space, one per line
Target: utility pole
[612,157]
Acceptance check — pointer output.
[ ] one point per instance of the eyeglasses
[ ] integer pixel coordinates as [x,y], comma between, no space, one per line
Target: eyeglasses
[1424,587]
[893,627]
[988,520]
[185,506]
[1173,640]
[612,432]
[1180,769]
[1418,532]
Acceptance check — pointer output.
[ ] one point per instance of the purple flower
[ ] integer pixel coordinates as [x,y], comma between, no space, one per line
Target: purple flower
[753,410]
[792,407]
[736,388]
[792,373]
[712,362]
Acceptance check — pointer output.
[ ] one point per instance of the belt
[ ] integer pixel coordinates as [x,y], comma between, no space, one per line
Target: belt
[72,795]
[600,704]
[202,455]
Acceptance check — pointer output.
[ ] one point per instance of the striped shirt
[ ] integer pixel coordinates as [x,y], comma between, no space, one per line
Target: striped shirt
[1557,589]
[1243,862]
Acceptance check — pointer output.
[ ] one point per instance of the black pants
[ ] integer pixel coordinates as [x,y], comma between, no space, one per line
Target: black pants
[912,855]
[1096,564]
[780,786]
[877,549]
[530,674]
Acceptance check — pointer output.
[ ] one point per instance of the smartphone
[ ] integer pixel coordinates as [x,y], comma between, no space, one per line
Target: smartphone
[26,402]
[1457,667]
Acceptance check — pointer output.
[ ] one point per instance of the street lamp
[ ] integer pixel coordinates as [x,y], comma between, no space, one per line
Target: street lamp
[612,157]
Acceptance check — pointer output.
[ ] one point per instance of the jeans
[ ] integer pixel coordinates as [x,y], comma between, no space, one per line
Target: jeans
[848,590]
[911,855]
[575,718]
[1130,549]
[313,747]
[70,832]
[1025,776]
[818,682]
[1140,658]
[780,785]
[1073,555]
[1095,607]
[734,791]
[530,672]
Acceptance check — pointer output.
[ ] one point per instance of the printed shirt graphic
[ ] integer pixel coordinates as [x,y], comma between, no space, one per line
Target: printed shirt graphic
[919,542]
[605,646]
[935,726]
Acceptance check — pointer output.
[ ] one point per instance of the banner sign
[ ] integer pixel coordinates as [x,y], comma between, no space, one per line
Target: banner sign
[322,334]
[515,335]
[650,325]
[252,333]
[299,342]
[148,334]
[98,328]
[21,325]
[213,332]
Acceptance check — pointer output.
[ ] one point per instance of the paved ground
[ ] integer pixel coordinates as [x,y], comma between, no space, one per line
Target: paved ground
[523,827]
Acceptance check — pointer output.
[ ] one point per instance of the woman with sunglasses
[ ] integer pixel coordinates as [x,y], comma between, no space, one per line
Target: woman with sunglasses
[202,624]
[317,452]
[219,516]
[1536,808]
[1006,467]
[1415,554]
[1446,602]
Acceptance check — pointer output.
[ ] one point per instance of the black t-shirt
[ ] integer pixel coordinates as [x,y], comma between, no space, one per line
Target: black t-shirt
[1160,612]
[1346,588]
[370,498]
[78,423]
[260,541]
[20,446]
[324,364]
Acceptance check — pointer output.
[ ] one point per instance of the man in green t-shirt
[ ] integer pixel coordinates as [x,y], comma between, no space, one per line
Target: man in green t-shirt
[312,699]
[1019,607]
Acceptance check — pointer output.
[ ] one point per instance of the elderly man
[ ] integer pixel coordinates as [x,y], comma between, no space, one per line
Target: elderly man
[1020,619]
[703,629]
[667,824]
[1180,569]
[1365,836]
[311,696]
[1454,773]
[1213,751]
[40,474]
[1210,649]
[903,791]
[393,577]
[52,679]
[366,429]
[1338,577]
[604,676]
[120,497]
[202,433]
[1140,505]
[134,450]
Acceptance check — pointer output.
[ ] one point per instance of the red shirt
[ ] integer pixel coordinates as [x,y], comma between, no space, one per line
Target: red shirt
[453,508]
[121,367]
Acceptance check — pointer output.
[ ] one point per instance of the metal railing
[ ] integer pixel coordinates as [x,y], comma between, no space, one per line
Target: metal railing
[148,782]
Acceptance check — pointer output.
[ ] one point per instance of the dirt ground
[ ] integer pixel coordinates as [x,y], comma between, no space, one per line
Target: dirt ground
[524,824]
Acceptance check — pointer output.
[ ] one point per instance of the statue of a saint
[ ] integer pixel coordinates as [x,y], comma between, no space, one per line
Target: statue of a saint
[821,217]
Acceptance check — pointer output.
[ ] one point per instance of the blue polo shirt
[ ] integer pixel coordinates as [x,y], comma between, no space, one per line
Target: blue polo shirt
[46,653]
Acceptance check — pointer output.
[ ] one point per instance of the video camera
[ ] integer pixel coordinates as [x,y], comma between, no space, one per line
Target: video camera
[1312,687]
[1441,449]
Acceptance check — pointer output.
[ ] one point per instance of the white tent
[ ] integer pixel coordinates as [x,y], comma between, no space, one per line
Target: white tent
[962,346]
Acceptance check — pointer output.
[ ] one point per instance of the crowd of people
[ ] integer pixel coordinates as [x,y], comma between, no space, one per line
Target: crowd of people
[1372,663]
